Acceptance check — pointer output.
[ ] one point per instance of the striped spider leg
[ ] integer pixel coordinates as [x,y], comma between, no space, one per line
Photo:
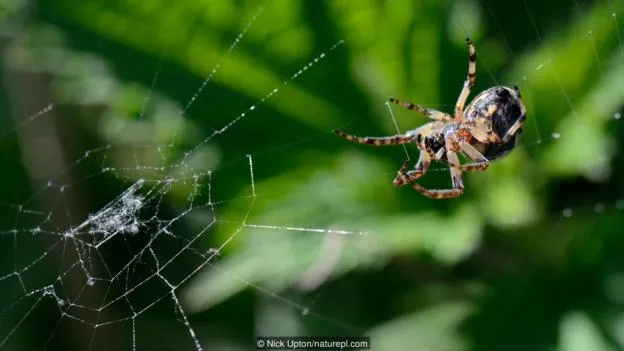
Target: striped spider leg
[519,122]
[431,113]
[378,141]
[468,83]
[456,168]
[456,178]
[402,177]
[422,166]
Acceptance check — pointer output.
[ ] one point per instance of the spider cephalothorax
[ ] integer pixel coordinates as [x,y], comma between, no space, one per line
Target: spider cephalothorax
[486,130]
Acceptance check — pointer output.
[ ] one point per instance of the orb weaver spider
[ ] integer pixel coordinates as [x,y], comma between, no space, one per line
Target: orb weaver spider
[486,130]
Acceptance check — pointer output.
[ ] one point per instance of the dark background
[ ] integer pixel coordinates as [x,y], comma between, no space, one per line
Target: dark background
[318,242]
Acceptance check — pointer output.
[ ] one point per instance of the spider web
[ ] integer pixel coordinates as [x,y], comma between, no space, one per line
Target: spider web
[100,243]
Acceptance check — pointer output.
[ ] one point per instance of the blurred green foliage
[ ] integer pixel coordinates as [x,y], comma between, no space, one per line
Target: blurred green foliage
[321,243]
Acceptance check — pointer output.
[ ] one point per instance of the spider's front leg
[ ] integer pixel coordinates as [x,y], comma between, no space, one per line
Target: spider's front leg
[469,83]
[483,134]
[431,113]
[518,123]
[421,168]
[377,141]
[480,162]
[514,128]
[456,177]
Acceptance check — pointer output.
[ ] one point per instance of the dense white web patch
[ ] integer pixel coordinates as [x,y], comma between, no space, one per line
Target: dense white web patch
[139,223]
[135,213]
[118,217]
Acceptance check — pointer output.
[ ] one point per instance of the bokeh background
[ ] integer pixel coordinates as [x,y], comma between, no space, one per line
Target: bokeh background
[318,242]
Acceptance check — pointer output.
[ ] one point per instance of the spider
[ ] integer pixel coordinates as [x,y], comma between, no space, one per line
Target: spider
[486,130]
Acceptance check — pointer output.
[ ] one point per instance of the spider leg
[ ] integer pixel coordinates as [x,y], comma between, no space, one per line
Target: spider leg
[456,177]
[378,141]
[431,113]
[481,163]
[469,83]
[517,124]
[483,134]
[479,133]
[421,168]
[514,128]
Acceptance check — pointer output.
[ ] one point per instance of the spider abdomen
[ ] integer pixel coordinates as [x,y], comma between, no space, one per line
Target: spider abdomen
[498,108]
[493,151]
